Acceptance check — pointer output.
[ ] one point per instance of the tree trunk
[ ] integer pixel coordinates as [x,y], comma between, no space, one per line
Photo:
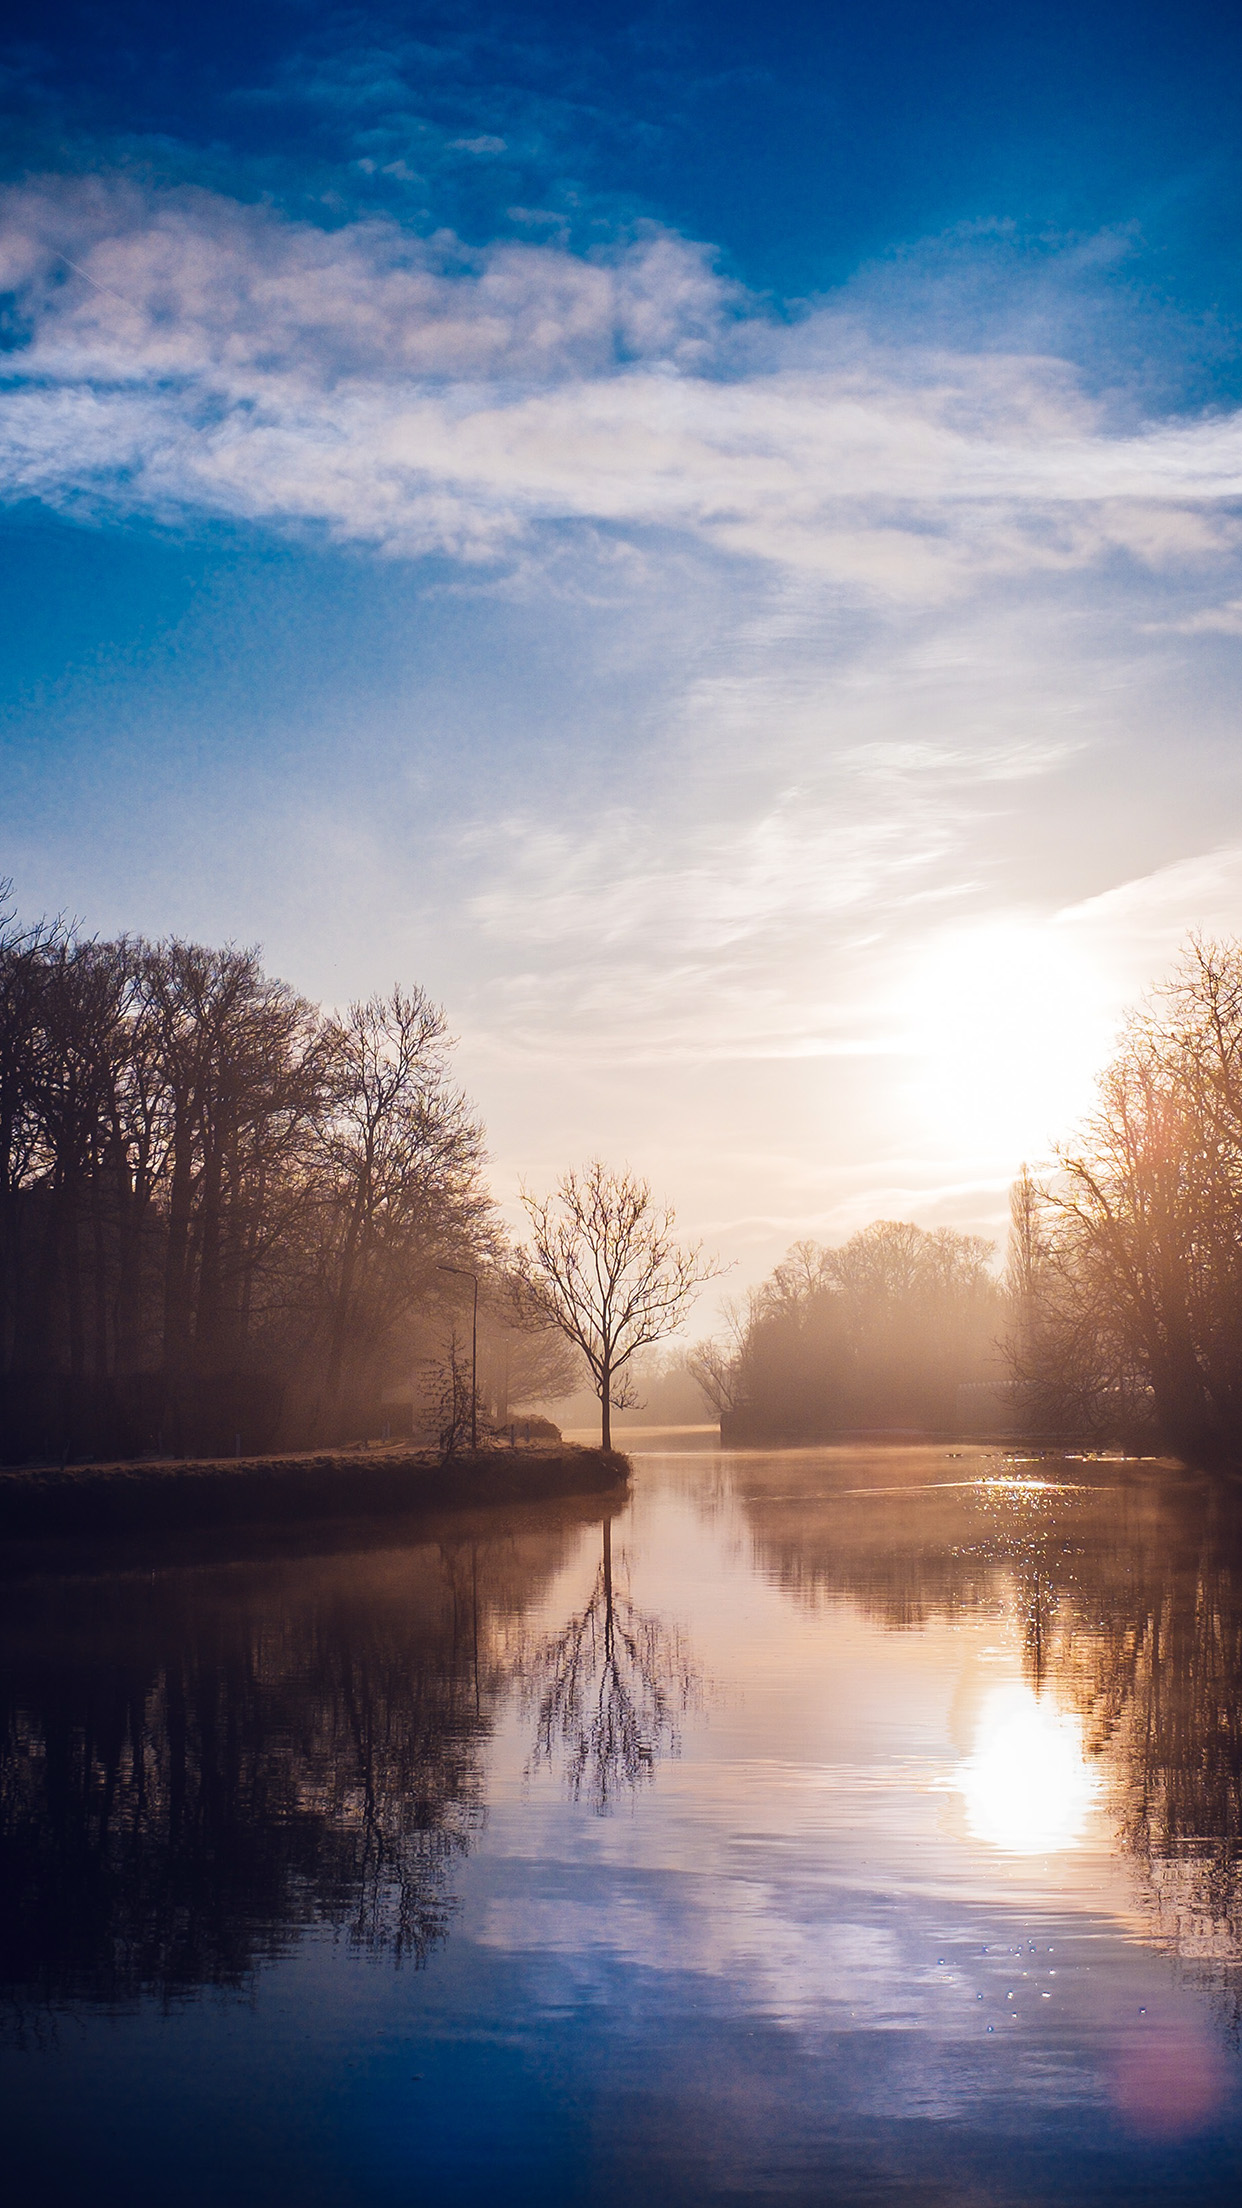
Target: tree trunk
[9,1286]
[69,1240]
[208,1305]
[342,1314]
[126,1317]
[177,1250]
[100,1312]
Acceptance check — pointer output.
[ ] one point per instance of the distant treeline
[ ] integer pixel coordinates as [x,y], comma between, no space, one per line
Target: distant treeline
[1126,1263]
[223,1212]
[880,1334]
[1118,1320]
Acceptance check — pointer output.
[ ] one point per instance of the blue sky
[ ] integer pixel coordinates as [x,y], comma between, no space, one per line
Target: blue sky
[708,535]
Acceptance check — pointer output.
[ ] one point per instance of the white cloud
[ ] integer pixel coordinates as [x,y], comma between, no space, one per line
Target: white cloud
[185,351]
[741,947]
[1137,927]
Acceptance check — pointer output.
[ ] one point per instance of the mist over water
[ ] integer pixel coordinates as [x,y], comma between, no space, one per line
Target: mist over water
[839,1824]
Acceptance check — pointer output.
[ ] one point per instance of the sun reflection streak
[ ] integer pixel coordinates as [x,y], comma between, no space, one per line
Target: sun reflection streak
[1027,1785]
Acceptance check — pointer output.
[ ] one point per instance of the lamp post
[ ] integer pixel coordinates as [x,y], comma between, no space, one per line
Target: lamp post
[462,1274]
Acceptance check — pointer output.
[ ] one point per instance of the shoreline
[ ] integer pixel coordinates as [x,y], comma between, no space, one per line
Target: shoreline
[42,1501]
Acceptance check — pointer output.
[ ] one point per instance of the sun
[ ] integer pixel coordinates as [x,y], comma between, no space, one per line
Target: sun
[1008,1025]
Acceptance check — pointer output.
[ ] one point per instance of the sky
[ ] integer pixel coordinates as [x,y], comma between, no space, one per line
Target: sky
[708,536]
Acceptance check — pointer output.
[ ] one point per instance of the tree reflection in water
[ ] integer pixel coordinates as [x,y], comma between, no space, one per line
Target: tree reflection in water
[1127,1582]
[608,1690]
[197,1767]
[1162,1690]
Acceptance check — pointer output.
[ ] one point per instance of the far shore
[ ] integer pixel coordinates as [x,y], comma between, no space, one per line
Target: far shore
[155,1494]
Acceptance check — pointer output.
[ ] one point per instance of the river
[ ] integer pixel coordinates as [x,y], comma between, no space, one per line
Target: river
[850,1826]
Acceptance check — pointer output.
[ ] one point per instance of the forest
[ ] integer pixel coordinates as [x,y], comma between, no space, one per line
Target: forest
[881,1334]
[227,1219]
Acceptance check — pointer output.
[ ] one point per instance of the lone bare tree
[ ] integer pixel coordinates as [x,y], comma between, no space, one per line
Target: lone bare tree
[603,1267]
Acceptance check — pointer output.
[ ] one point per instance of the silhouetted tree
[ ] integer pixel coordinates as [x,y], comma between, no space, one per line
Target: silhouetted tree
[241,1062]
[714,1364]
[210,1195]
[523,1358]
[397,1163]
[604,1268]
[1138,1301]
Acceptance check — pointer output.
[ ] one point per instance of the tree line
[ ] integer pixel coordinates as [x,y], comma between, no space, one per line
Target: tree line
[1125,1268]
[230,1219]
[224,1213]
[881,1333]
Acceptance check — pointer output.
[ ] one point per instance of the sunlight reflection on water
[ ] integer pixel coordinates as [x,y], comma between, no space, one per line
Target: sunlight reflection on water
[1026,1784]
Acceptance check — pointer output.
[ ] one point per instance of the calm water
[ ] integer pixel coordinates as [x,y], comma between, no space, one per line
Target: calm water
[831,1826]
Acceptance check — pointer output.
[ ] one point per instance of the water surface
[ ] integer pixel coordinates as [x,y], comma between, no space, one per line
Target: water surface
[827,1826]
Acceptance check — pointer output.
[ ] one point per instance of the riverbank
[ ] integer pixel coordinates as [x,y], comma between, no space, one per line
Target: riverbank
[41,1501]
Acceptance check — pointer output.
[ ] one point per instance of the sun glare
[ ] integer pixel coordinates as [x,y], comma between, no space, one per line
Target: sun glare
[1008,1026]
[1027,1785]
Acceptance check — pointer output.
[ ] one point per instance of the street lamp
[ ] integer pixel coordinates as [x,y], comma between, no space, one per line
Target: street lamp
[462,1274]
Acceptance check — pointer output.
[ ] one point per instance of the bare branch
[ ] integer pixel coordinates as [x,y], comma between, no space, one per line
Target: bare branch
[605,1268]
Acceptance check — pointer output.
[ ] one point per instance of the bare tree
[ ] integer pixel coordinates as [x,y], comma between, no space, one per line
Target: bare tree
[604,1268]
[453,1398]
[212,1199]
[398,1163]
[714,1364]
[239,1057]
[1144,1222]
[1065,1358]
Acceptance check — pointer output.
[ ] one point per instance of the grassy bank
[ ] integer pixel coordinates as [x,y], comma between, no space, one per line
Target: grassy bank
[38,1501]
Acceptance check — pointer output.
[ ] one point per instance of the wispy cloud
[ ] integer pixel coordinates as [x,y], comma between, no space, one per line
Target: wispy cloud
[187,353]
[725,935]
